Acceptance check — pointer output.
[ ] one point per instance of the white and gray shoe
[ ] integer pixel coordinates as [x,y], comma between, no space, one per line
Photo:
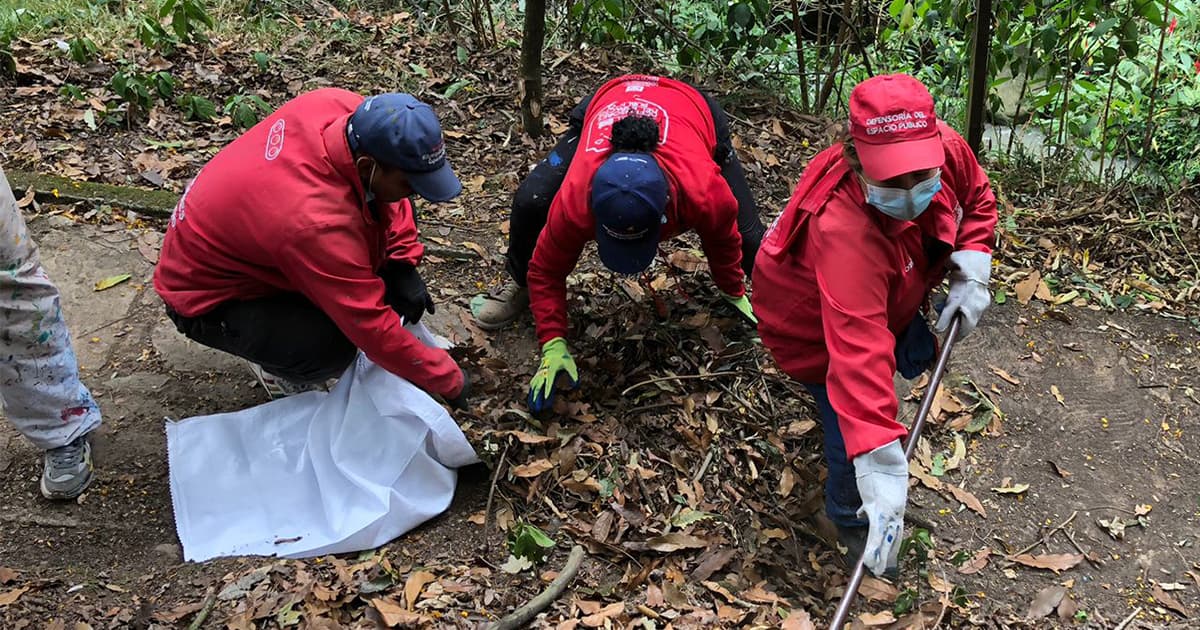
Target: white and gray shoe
[279,387]
[498,309]
[67,470]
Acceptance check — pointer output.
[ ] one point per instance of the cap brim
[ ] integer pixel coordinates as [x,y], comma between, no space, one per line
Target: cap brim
[627,257]
[882,162]
[439,185]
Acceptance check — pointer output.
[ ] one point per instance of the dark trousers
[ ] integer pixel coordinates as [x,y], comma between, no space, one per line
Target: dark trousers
[286,334]
[916,349]
[531,203]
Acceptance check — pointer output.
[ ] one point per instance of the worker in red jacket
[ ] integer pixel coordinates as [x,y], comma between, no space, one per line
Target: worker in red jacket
[843,279]
[645,159]
[296,246]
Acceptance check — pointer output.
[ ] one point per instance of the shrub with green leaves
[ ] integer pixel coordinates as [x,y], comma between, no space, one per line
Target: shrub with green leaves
[196,108]
[140,90]
[246,109]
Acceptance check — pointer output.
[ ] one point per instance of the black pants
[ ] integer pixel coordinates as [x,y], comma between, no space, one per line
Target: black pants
[286,334]
[531,203]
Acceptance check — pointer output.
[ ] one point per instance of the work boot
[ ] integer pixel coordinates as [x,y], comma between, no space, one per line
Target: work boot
[67,470]
[498,309]
[279,387]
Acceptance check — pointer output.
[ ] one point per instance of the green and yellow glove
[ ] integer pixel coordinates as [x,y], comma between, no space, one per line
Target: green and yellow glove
[555,359]
[742,304]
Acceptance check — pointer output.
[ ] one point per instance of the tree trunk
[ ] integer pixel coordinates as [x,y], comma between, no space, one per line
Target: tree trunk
[532,39]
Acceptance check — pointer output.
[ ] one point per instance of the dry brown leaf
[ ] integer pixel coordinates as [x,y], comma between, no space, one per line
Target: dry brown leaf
[1007,489]
[939,584]
[719,590]
[759,595]
[878,590]
[669,543]
[7,575]
[1045,601]
[797,428]
[1057,395]
[8,597]
[393,614]
[177,613]
[477,248]
[529,438]
[589,607]
[977,562]
[1059,470]
[686,261]
[1067,608]
[798,619]
[918,473]
[413,586]
[787,481]
[712,562]
[881,618]
[478,518]
[1026,288]
[603,525]
[532,469]
[1043,292]
[608,612]
[1053,561]
[1004,375]
[966,498]
[1165,599]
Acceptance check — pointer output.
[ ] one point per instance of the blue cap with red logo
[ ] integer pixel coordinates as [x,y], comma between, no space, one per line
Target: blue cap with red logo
[402,132]
[629,201]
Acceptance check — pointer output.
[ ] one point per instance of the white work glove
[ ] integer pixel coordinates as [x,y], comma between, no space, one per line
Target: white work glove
[883,485]
[969,274]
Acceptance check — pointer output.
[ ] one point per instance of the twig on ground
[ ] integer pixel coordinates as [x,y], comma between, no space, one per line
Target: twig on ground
[210,601]
[524,614]
[696,477]
[487,510]
[1046,537]
[1086,556]
[680,377]
[1129,619]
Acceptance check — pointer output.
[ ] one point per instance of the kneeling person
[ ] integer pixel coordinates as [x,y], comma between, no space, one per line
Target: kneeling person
[296,245]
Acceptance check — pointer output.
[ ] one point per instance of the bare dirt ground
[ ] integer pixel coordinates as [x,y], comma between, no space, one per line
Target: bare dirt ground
[1098,419]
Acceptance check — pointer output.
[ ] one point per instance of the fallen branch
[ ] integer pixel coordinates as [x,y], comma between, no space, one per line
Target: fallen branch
[1044,539]
[209,603]
[524,614]
[1126,622]
[487,510]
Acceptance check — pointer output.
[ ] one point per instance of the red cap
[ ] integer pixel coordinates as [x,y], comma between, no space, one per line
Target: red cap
[894,127]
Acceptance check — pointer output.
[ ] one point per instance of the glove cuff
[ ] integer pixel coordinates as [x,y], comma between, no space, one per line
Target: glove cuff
[973,265]
[887,459]
[557,344]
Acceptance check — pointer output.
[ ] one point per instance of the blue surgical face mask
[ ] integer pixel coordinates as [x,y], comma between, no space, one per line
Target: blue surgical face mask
[904,204]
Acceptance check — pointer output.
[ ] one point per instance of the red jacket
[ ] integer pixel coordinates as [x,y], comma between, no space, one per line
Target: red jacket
[836,281]
[699,197]
[282,209]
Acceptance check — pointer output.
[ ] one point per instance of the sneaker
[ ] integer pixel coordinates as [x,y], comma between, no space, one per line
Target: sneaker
[67,470]
[498,309]
[278,387]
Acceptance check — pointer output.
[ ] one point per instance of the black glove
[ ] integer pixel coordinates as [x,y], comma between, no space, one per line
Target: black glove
[460,401]
[405,291]
[916,348]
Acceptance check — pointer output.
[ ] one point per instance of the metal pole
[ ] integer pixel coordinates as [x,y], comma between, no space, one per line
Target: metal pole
[978,86]
[914,435]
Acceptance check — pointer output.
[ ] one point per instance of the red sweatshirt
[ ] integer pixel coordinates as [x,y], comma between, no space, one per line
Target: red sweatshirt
[282,209]
[836,281]
[699,198]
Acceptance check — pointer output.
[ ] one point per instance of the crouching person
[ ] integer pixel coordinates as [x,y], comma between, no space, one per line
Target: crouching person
[296,245]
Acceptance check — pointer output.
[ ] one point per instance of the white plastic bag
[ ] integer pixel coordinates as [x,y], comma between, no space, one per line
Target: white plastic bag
[316,473]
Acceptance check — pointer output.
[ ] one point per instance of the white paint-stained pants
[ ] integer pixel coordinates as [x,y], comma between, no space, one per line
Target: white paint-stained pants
[39,376]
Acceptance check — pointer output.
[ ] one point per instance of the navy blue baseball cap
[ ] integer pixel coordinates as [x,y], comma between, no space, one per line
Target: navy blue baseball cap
[629,201]
[404,133]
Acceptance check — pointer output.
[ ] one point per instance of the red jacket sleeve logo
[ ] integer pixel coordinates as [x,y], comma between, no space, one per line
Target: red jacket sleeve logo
[274,141]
